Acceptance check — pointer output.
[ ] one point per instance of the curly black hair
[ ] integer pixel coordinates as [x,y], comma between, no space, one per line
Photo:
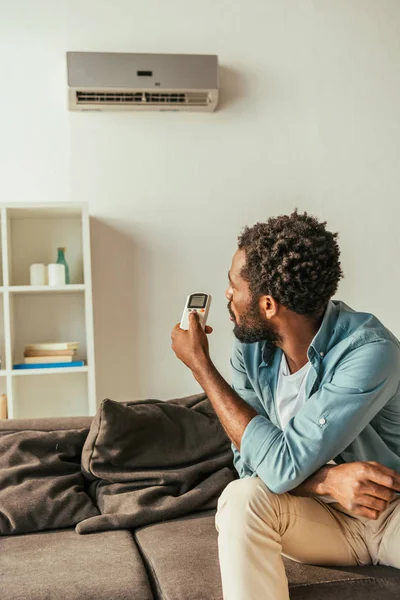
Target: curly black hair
[294,259]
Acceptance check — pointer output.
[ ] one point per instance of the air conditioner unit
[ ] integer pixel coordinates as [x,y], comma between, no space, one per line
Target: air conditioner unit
[119,81]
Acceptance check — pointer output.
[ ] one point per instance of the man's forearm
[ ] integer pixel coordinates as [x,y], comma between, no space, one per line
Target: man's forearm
[316,485]
[233,412]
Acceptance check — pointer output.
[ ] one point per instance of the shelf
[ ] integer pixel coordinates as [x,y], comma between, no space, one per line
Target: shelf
[45,289]
[31,233]
[33,236]
[58,395]
[46,371]
[49,211]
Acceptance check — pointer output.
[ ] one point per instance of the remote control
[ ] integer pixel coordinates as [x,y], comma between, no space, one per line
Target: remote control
[198,302]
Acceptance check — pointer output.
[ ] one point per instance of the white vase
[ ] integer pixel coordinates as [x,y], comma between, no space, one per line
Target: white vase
[38,274]
[56,274]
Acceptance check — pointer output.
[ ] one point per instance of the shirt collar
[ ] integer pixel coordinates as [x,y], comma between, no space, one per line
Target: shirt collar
[320,341]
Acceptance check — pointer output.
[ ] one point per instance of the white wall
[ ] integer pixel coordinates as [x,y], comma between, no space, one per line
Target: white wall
[310,117]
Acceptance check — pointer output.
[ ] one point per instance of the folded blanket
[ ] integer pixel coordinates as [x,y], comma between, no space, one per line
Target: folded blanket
[150,460]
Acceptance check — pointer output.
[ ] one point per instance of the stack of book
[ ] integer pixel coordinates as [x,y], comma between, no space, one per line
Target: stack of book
[50,355]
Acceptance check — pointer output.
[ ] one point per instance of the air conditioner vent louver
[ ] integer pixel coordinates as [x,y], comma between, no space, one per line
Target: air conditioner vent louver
[148,98]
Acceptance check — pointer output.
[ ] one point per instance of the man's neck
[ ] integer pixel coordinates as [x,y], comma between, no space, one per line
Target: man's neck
[296,342]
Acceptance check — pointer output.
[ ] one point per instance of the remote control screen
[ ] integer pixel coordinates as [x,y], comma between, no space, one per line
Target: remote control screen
[197,301]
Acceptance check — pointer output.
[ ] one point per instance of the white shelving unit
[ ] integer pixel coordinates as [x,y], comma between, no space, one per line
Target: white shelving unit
[31,233]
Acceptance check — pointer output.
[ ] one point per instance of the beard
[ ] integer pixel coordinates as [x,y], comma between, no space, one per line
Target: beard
[253,327]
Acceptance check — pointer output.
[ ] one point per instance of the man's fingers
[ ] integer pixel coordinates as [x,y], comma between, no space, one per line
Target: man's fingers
[194,319]
[363,511]
[371,502]
[382,475]
[175,329]
[379,491]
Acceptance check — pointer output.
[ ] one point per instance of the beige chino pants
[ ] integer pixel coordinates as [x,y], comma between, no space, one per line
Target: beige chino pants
[256,526]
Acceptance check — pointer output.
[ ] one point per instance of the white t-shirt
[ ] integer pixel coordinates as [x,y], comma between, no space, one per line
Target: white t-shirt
[290,397]
[290,393]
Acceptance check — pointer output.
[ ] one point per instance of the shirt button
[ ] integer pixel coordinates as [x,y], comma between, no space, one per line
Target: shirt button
[322,421]
[321,354]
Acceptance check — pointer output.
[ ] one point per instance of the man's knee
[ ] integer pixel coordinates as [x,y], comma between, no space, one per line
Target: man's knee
[241,494]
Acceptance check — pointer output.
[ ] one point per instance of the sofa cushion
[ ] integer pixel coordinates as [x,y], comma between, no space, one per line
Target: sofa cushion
[62,564]
[347,583]
[150,460]
[182,558]
[46,423]
[41,484]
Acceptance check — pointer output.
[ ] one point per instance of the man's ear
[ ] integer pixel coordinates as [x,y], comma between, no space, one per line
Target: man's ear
[269,306]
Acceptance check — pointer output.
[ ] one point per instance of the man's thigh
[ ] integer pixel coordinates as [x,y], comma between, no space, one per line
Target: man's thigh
[317,533]
[304,529]
[385,537]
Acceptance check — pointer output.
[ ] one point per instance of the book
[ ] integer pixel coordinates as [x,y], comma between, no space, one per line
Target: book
[37,360]
[23,366]
[3,407]
[53,353]
[53,346]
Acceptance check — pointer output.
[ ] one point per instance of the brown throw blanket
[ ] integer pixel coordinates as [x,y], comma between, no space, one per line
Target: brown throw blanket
[151,460]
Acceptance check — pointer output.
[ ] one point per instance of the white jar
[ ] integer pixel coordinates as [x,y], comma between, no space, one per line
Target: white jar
[56,274]
[38,274]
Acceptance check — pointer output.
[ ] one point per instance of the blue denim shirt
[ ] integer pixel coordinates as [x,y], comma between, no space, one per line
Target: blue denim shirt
[352,407]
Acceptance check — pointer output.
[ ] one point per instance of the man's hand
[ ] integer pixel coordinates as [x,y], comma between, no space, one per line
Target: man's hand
[191,346]
[364,488]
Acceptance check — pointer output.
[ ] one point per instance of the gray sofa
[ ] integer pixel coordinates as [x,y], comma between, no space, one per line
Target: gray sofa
[174,559]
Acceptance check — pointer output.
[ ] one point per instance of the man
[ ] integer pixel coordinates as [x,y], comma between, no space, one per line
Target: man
[313,414]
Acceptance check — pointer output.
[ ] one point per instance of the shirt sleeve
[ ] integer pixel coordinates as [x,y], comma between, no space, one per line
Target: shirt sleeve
[363,382]
[240,466]
[242,386]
